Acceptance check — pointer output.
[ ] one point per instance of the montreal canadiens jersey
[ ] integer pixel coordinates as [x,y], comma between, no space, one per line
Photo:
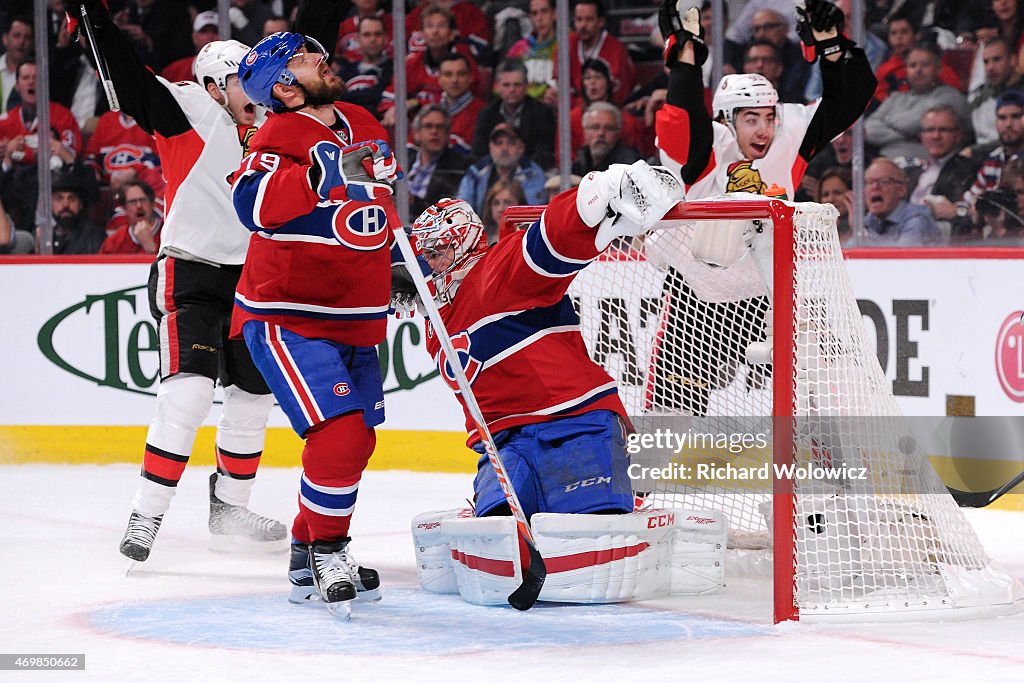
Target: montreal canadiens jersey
[118,143]
[517,333]
[200,218]
[321,269]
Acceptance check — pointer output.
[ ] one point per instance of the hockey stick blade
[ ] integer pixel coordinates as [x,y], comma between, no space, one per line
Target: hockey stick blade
[524,597]
[972,499]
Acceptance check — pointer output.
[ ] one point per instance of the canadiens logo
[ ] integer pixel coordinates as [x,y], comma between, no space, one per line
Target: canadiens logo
[124,155]
[364,228]
[250,58]
[743,177]
[471,366]
[341,389]
[245,134]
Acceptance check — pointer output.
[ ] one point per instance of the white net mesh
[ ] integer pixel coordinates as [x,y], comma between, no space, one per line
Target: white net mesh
[674,333]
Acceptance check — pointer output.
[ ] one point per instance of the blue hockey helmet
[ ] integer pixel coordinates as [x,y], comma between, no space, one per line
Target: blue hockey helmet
[266,65]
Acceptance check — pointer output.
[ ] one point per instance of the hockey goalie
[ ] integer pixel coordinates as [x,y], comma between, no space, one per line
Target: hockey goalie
[555,415]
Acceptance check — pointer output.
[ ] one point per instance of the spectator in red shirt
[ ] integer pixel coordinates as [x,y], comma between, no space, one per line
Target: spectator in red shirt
[591,41]
[139,231]
[440,36]
[470,23]
[454,77]
[348,46]
[892,73]
[18,127]
[118,143]
[597,87]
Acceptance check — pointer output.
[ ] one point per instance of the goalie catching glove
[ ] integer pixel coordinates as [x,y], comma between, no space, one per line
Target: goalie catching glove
[820,27]
[626,200]
[678,28]
[362,172]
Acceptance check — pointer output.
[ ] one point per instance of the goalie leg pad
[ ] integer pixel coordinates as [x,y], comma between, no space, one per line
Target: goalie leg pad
[698,551]
[433,553]
[605,558]
[485,557]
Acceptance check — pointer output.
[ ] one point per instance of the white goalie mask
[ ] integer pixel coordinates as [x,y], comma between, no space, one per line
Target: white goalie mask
[742,91]
[218,60]
[452,239]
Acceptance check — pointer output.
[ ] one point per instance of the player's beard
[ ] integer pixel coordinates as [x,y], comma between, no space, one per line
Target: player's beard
[325,91]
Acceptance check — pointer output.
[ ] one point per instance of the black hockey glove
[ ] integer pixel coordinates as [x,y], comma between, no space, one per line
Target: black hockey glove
[99,14]
[678,28]
[820,26]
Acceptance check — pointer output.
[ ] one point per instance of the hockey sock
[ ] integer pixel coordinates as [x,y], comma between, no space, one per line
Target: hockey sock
[182,403]
[240,437]
[333,461]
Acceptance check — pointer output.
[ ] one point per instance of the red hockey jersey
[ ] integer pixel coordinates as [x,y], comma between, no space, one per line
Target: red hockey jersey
[117,144]
[347,46]
[12,125]
[421,78]
[610,51]
[517,333]
[319,269]
[469,19]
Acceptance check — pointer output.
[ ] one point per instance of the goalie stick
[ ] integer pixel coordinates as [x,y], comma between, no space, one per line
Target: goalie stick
[979,499]
[534,572]
[101,62]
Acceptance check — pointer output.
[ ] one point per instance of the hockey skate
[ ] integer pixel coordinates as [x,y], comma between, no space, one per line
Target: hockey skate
[301,577]
[333,576]
[139,536]
[234,528]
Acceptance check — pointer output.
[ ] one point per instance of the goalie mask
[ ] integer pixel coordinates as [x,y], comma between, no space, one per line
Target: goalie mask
[452,239]
[742,91]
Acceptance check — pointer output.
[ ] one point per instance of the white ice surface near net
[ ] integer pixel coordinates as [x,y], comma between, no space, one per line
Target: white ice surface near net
[191,613]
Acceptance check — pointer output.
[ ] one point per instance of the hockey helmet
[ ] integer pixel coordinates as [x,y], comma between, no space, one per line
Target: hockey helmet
[742,91]
[218,60]
[266,65]
[450,231]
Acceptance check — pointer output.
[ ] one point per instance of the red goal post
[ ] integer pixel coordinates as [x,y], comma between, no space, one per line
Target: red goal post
[895,546]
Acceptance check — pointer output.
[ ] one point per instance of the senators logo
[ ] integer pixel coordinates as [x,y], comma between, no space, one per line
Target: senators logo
[742,177]
[245,134]
[471,366]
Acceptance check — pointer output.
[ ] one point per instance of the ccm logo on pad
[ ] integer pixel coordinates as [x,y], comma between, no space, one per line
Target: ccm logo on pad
[658,521]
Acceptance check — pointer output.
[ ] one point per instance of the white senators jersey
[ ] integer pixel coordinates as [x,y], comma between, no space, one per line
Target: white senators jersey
[200,218]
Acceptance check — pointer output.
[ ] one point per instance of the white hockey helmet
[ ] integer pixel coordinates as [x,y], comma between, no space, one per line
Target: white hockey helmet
[742,91]
[450,228]
[217,61]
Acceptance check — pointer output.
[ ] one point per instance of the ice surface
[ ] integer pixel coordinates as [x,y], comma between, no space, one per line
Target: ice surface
[191,613]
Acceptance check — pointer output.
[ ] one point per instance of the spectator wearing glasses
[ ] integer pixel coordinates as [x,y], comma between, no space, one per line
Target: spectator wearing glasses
[762,57]
[939,180]
[770,26]
[139,231]
[892,220]
[602,145]
[436,169]
[895,127]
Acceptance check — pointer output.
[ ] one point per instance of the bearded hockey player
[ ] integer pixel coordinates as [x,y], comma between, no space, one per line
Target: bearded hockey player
[201,136]
[314,295]
[755,144]
[556,416]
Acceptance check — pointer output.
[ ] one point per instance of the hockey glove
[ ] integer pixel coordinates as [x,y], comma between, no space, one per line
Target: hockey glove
[678,28]
[404,299]
[349,173]
[98,10]
[820,27]
[626,200]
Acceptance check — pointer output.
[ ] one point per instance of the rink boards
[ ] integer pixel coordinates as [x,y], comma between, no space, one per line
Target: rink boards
[79,360]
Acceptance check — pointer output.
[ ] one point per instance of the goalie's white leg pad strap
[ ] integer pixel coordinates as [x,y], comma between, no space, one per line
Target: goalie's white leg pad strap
[484,553]
[698,551]
[604,558]
[433,554]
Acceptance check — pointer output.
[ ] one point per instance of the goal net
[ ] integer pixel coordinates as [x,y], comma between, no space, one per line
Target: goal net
[803,447]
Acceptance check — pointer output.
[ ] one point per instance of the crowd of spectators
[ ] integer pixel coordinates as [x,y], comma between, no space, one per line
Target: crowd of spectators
[944,133]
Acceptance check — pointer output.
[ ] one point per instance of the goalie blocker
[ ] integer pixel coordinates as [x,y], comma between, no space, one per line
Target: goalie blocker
[589,558]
